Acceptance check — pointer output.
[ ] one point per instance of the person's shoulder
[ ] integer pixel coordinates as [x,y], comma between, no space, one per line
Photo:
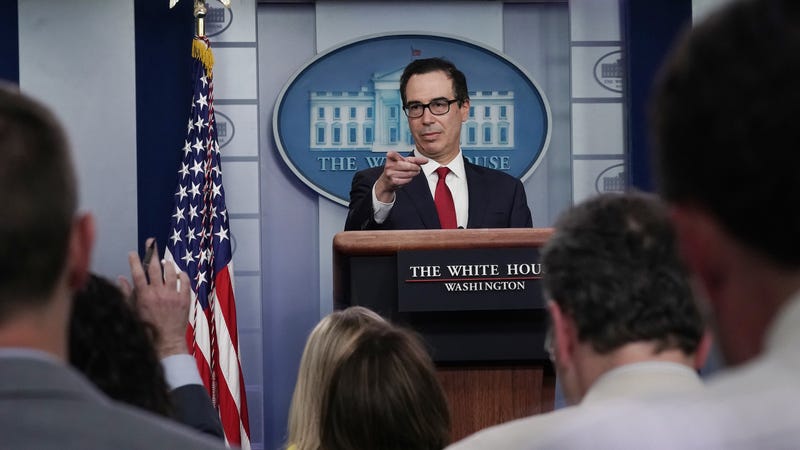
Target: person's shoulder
[519,433]
[135,428]
[628,423]
[41,390]
[369,172]
[80,421]
[489,172]
[765,371]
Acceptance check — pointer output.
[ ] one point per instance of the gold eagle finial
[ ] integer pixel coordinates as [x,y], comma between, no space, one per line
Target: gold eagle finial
[225,3]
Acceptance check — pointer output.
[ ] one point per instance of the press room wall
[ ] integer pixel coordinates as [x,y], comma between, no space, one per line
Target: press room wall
[298,225]
[115,72]
[78,57]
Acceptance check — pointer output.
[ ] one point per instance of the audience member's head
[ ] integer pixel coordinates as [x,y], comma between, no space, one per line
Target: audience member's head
[617,290]
[724,122]
[111,344]
[328,342]
[384,394]
[45,246]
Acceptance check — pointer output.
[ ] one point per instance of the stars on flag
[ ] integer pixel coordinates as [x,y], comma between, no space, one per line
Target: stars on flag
[181,192]
[198,146]
[184,170]
[197,168]
[202,101]
[200,190]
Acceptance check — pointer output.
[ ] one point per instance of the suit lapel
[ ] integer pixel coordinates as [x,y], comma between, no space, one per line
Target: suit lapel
[478,195]
[420,198]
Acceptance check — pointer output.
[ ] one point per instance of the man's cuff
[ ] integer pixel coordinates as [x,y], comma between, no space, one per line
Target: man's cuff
[380,210]
[180,370]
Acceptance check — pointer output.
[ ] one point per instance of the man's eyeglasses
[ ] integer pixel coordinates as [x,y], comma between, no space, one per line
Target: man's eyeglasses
[438,107]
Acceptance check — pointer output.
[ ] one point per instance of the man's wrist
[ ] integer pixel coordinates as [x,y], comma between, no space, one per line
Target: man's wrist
[383,193]
[166,349]
[180,370]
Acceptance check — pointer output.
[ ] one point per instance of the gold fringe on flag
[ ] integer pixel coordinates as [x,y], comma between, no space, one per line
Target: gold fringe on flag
[202,52]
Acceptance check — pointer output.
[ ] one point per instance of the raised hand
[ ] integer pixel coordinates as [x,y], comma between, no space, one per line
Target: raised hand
[163,300]
[397,172]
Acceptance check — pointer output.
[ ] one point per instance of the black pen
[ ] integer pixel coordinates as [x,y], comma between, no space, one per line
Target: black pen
[148,254]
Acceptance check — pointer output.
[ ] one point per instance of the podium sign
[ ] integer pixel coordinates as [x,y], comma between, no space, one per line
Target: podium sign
[473,295]
[469,279]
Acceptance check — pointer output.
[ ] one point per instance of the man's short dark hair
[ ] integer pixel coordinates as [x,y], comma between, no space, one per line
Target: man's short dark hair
[38,198]
[725,121]
[612,266]
[428,65]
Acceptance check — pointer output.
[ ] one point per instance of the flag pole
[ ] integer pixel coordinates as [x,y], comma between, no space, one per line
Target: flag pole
[212,333]
[200,12]
[200,17]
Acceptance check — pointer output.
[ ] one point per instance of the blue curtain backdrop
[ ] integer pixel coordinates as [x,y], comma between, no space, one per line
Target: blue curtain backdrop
[163,96]
[649,29]
[9,42]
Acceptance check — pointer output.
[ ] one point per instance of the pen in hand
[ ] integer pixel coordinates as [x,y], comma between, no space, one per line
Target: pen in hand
[148,256]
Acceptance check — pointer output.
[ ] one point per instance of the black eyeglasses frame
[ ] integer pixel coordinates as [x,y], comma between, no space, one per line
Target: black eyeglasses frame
[428,105]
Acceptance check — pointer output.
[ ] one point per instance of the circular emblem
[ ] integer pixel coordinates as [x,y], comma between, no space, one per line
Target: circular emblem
[608,71]
[218,19]
[225,128]
[342,111]
[612,179]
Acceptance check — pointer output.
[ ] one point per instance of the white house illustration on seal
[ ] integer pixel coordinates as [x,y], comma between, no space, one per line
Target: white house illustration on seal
[372,119]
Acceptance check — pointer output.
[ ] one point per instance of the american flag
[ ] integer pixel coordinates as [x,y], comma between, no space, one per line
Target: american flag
[200,245]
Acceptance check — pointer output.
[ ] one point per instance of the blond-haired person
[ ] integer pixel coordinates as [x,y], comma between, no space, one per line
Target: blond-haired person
[384,394]
[327,343]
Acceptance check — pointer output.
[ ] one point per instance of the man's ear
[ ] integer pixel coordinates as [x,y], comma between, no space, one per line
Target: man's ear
[703,350]
[81,244]
[702,245]
[564,335]
[464,110]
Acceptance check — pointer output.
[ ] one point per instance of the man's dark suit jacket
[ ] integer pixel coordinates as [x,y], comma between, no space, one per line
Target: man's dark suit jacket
[496,200]
[193,408]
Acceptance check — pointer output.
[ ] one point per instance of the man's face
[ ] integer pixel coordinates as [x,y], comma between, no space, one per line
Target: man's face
[436,137]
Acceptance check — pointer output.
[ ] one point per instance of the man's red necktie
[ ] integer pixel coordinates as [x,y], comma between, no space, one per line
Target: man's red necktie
[444,201]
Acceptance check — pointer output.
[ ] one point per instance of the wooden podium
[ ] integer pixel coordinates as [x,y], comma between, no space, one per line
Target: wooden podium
[491,360]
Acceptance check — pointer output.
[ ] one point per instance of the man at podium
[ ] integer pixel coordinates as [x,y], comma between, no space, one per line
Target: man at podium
[435,186]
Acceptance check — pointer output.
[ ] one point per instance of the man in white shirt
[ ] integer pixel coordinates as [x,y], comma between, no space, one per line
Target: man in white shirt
[725,127]
[624,324]
[403,194]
